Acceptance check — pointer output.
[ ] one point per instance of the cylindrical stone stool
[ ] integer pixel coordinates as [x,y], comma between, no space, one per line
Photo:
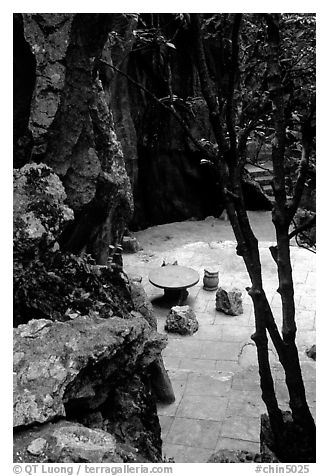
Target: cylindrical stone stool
[210,279]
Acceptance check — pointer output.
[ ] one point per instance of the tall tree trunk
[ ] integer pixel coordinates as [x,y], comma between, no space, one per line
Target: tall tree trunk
[282,216]
[229,163]
[247,244]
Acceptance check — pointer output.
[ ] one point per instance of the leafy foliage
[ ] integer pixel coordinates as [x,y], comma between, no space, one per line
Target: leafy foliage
[306,238]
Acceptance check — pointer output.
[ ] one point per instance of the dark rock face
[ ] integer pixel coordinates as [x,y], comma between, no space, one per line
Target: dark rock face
[118,90]
[297,444]
[255,198]
[24,81]
[70,126]
[170,182]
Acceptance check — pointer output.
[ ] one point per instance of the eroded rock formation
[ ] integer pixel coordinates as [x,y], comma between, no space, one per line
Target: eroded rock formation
[87,356]
[81,371]
[84,357]
[68,125]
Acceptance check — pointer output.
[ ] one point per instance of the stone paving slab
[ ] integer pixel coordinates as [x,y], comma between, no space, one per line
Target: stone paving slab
[165,423]
[236,444]
[247,428]
[211,384]
[194,432]
[203,407]
[245,402]
[214,372]
[197,365]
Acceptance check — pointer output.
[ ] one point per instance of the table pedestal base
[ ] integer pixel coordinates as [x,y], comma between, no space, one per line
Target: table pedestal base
[179,295]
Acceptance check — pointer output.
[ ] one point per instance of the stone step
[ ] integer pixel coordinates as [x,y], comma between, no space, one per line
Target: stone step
[268,190]
[259,173]
[264,179]
[256,171]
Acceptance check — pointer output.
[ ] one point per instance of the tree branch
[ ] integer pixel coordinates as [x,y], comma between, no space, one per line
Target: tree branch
[171,109]
[308,134]
[207,89]
[232,78]
[305,226]
[243,138]
[276,95]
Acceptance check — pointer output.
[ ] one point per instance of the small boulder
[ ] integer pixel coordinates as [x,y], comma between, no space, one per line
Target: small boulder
[229,301]
[311,352]
[181,320]
[130,244]
[234,456]
[37,446]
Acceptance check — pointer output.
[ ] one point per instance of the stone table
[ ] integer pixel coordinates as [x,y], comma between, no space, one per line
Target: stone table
[175,280]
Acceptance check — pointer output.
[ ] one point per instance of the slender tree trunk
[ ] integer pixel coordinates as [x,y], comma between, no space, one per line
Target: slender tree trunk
[282,216]
[229,166]
[247,244]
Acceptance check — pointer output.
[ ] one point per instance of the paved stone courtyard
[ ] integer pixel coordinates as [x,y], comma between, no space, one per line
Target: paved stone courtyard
[214,372]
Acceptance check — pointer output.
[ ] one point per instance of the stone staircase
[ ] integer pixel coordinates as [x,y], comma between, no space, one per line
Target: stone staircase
[263,175]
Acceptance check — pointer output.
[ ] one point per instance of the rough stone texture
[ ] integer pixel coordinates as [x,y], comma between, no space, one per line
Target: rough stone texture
[39,211]
[142,303]
[229,301]
[48,37]
[118,88]
[70,127]
[160,381]
[181,320]
[75,362]
[93,371]
[69,442]
[241,456]
[37,446]
[231,456]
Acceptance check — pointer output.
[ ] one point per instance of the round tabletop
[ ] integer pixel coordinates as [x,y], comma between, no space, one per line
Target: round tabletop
[173,277]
